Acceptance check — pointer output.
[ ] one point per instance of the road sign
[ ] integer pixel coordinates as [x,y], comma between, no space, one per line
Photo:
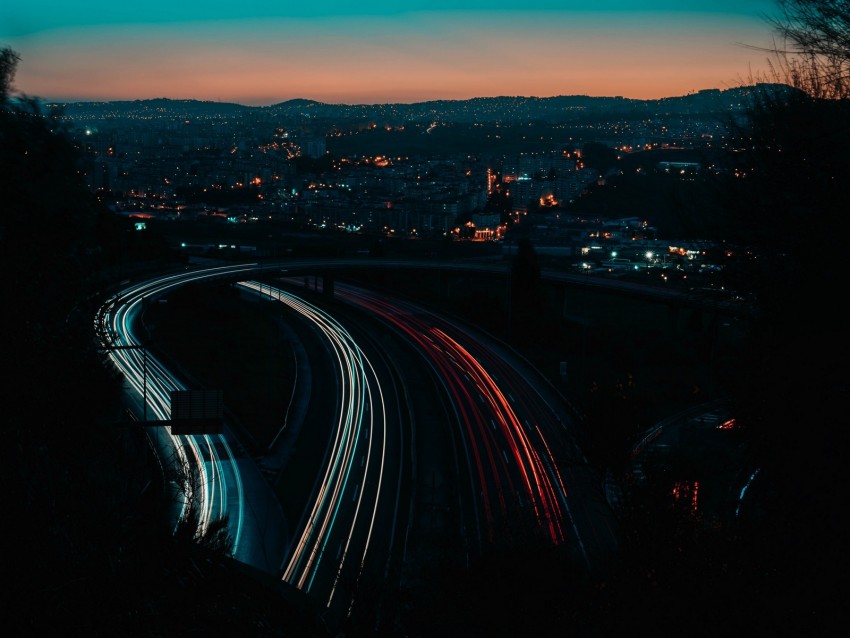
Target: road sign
[197,412]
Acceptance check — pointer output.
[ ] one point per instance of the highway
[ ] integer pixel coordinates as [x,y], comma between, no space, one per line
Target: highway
[350,523]
[210,474]
[522,474]
[519,475]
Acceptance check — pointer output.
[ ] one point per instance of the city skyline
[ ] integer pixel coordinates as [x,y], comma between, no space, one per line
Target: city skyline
[382,52]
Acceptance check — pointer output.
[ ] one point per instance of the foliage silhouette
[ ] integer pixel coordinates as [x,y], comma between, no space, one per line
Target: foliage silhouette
[92,548]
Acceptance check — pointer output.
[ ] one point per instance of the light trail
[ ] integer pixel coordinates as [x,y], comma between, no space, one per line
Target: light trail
[361,422]
[488,425]
[219,491]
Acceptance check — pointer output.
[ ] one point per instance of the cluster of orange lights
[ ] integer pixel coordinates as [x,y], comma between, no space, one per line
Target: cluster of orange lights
[548,201]
[687,493]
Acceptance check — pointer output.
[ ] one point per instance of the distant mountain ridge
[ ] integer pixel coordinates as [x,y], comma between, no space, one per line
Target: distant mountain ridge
[482,109]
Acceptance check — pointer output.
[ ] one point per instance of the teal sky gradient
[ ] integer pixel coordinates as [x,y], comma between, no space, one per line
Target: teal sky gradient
[378,51]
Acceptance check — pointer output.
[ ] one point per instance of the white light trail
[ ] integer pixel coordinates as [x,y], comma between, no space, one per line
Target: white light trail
[361,421]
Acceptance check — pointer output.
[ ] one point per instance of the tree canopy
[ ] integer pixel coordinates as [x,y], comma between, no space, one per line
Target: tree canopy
[814,47]
[92,550]
[784,208]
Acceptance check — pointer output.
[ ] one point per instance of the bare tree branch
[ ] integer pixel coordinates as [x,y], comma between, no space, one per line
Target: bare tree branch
[812,52]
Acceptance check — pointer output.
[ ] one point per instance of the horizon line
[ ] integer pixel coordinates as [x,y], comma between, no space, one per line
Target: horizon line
[355,104]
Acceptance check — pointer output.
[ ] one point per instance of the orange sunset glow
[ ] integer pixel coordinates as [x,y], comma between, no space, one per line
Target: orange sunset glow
[389,59]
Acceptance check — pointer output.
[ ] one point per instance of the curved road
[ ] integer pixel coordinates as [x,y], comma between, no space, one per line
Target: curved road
[519,472]
[350,522]
[522,474]
[213,471]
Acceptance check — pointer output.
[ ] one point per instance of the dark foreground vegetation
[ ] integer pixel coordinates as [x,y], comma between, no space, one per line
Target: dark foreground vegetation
[90,550]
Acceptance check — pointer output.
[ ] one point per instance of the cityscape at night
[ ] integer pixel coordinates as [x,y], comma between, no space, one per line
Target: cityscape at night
[424,320]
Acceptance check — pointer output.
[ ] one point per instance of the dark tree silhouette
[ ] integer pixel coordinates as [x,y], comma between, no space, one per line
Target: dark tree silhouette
[785,199]
[8,65]
[787,217]
[92,550]
[814,47]
[782,214]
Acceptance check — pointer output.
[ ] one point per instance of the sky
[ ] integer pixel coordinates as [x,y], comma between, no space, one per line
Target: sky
[260,52]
